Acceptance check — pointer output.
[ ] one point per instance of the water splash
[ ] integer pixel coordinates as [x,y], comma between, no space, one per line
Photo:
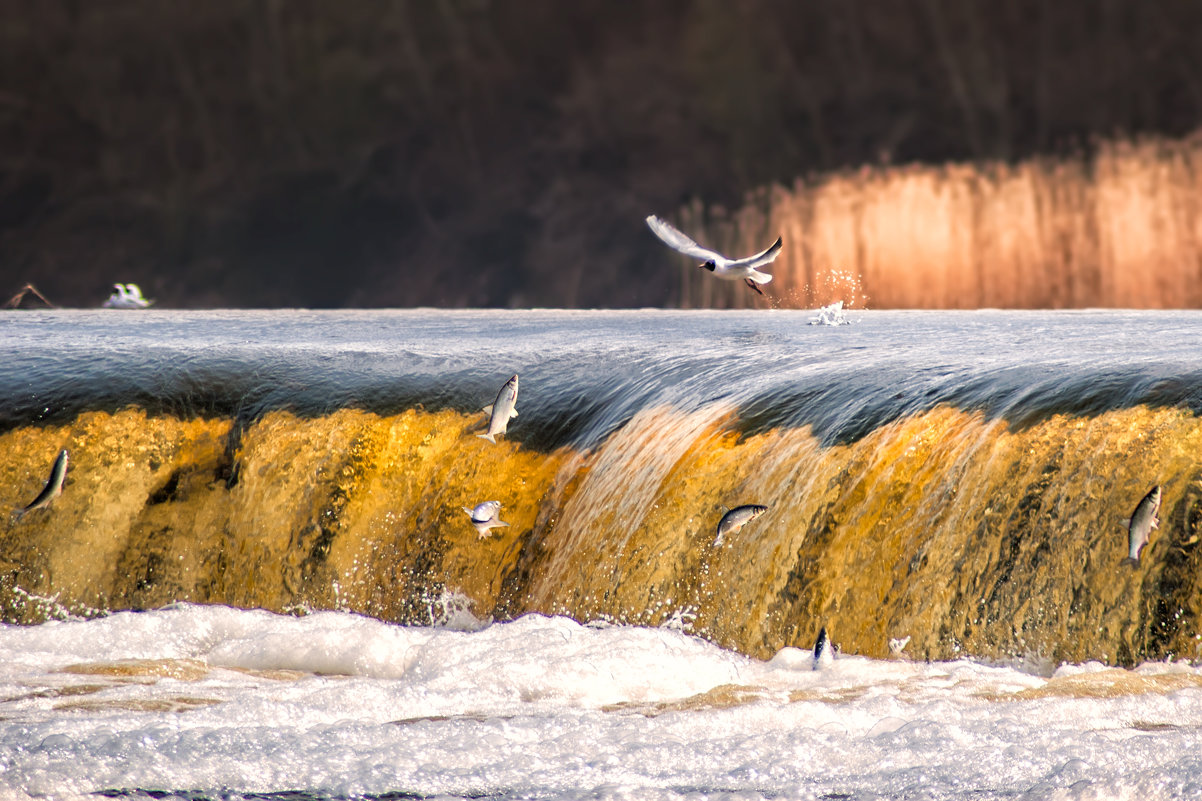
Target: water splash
[831,315]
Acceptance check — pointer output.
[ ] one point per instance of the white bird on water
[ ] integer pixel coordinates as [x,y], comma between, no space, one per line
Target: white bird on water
[719,265]
[126,296]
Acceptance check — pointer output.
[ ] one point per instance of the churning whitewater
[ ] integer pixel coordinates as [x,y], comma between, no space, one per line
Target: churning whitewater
[194,702]
[261,572]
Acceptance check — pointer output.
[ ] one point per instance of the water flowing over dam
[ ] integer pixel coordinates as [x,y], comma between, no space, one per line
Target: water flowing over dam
[956,478]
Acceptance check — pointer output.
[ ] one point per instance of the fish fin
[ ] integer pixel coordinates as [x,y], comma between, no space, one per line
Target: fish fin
[502,523]
[488,437]
[718,541]
[823,649]
[513,412]
[1125,522]
[488,409]
[469,511]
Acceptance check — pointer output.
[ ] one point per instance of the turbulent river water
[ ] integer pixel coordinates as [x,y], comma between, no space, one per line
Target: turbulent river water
[952,481]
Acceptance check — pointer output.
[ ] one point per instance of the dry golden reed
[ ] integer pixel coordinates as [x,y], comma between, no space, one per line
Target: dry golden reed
[1119,228]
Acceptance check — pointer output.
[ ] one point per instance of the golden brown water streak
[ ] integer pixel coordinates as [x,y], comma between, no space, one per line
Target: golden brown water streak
[965,535]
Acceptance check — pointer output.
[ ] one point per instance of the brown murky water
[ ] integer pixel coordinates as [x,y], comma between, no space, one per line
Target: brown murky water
[966,534]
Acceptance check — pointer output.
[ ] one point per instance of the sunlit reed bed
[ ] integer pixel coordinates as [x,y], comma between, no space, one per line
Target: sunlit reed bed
[1121,228]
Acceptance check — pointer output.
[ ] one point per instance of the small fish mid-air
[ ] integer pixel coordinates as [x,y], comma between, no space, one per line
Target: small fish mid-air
[54,486]
[485,516]
[824,650]
[1139,526]
[736,518]
[716,263]
[501,410]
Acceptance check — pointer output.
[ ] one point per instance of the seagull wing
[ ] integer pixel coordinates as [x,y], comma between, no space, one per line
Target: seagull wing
[678,241]
[760,259]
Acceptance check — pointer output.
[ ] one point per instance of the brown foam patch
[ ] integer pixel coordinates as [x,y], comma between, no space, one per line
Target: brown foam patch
[837,695]
[271,674]
[724,696]
[179,669]
[176,704]
[1147,725]
[478,717]
[1112,683]
[57,692]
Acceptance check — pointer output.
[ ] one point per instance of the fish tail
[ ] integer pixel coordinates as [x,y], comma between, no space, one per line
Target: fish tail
[1131,560]
[488,437]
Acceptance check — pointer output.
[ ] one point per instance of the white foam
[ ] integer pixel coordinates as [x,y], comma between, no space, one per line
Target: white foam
[546,707]
[831,314]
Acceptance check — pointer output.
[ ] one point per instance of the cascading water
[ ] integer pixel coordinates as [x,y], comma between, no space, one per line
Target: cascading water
[944,492]
[955,478]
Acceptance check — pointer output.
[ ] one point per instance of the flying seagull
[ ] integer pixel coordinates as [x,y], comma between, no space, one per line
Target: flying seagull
[719,265]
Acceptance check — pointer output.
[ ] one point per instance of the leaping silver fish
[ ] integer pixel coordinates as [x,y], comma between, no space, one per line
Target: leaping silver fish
[1139,526]
[736,518]
[485,516]
[54,486]
[715,262]
[501,410]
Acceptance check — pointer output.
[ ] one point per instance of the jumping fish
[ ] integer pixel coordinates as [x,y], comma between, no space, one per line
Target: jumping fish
[485,516]
[1140,524]
[54,486]
[736,518]
[501,410]
[824,651]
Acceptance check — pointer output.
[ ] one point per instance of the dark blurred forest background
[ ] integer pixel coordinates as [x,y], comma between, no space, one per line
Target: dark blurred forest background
[505,152]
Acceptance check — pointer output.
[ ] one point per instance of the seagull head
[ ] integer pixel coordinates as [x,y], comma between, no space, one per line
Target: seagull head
[709,265]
